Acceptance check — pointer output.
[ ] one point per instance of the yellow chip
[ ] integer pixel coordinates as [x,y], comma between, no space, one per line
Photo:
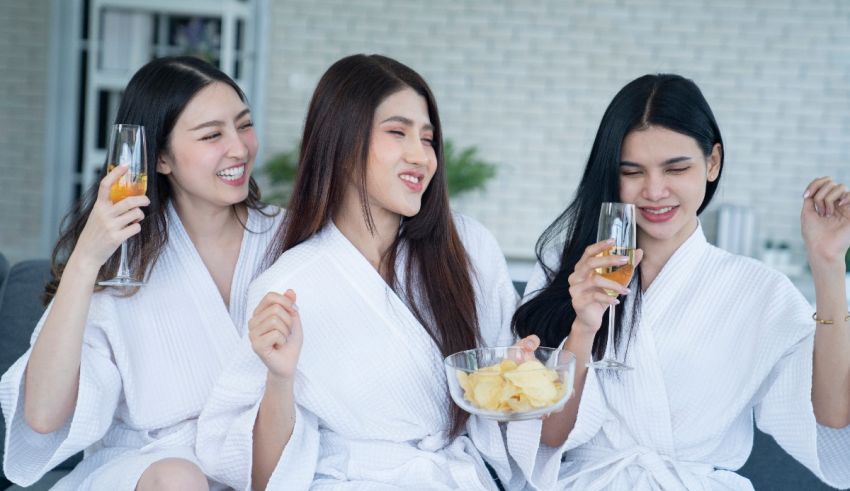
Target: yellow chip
[508,386]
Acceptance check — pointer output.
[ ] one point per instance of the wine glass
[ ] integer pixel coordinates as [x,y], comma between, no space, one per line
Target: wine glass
[617,222]
[126,147]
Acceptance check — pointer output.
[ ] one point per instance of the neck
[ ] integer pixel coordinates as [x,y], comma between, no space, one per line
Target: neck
[656,252]
[210,224]
[351,222]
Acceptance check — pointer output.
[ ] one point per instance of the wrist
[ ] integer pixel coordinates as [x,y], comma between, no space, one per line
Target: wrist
[580,342]
[821,263]
[279,384]
[81,266]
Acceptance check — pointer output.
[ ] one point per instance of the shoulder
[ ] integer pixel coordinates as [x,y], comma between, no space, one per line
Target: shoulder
[265,219]
[744,270]
[291,263]
[476,238]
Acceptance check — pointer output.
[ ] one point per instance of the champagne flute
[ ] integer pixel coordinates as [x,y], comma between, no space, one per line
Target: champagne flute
[616,221]
[126,147]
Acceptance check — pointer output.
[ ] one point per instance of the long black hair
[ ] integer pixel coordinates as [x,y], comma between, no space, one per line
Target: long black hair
[155,97]
[666,100]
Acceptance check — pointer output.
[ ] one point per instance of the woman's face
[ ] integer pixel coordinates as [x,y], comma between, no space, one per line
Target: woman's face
[664,173]
[211,149]
[402,158]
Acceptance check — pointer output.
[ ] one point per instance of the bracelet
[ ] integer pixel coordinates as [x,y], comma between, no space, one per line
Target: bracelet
[827,321]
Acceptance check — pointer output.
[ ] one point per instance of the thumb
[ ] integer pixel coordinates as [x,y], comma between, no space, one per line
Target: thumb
[290,294]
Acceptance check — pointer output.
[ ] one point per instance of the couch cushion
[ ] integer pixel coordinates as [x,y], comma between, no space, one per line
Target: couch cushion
[20,310]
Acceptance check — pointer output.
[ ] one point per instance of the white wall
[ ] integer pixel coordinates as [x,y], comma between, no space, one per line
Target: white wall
[527,82]
[24,38]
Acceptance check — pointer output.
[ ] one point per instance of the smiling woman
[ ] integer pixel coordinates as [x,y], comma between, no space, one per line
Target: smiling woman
[123,374]
[389,282]
[716,340]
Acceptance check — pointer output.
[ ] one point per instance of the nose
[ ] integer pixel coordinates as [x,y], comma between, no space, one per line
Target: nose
[239,148]
[655,187]
[415,152]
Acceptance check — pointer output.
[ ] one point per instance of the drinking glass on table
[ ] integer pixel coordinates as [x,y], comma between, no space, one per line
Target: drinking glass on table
[617,222]
[127,147]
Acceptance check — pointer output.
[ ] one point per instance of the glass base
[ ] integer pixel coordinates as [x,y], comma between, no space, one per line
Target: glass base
[608,364]
[121,281]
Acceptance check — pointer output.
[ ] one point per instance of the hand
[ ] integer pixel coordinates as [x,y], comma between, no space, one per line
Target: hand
[587,288]
[275,333]
[527,345]
[825,220]
[108,224]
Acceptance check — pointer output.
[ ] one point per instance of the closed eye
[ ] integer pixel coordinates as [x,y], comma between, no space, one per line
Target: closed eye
[678,170]
[246,125]
[396,132]
[211,136]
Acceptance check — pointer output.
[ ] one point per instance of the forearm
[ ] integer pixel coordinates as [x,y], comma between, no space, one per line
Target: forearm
[53,370]
[272,430]
[558,426]
[831,366]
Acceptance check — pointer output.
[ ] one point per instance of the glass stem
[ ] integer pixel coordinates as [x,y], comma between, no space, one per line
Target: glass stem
[123,269]
[609,346]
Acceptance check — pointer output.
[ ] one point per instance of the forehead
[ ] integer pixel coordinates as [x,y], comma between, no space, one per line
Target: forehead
[657,143]
[216,101]
[406,103]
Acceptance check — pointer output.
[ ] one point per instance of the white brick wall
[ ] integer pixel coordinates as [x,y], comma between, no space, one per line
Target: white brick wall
[24,39]
[527,82]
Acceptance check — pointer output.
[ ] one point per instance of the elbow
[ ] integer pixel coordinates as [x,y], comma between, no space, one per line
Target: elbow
[41,422]
[553,441]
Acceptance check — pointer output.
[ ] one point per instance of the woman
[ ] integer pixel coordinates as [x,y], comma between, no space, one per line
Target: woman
[124,374]
[715,339]
[388,283]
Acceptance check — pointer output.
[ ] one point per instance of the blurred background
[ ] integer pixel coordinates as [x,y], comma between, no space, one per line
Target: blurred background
[520,85]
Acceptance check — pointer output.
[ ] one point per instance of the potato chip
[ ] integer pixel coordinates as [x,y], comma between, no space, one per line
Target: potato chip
[512,387]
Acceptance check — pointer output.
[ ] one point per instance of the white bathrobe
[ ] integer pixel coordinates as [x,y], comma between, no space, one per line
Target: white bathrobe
[722,339]
[148,364]
[371,396]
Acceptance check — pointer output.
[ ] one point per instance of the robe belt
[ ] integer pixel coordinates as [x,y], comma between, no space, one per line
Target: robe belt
[668,472]
[177,435]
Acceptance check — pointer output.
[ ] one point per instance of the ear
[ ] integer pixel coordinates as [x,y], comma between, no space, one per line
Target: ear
[714,162]
[163,166]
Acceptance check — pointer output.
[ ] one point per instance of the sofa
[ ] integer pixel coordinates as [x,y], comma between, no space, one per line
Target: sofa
[768,467]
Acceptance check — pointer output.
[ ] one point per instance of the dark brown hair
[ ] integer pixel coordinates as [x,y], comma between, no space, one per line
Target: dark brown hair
[335,150]
[154,98]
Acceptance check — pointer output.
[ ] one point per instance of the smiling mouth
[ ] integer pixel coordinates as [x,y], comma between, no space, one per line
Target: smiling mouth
[658,211]
[410,178]
[232,173]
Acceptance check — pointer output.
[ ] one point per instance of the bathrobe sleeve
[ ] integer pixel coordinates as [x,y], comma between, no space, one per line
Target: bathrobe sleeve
[784,408]
[29,455]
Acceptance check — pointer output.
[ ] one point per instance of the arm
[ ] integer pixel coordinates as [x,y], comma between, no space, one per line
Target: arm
[53,371]
[825,222]
[276,337]
[590,302]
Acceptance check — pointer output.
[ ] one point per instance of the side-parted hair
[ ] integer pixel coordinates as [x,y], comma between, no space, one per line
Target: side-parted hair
[665,100]
[335,151]
[155,97]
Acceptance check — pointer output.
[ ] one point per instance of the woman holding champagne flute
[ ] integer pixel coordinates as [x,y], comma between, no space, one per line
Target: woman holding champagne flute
[122,372]
[715,340]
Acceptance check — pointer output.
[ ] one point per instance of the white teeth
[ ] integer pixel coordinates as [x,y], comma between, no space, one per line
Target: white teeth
[659,211]
[409,178]
[232,173]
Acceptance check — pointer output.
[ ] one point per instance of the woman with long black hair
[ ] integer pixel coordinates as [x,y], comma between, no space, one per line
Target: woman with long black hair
[715,339]
[389,281]
[123,374]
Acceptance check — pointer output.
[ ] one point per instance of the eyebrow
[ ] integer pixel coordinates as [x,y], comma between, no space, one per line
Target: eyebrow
[216,122]
[407,122]
[670,161]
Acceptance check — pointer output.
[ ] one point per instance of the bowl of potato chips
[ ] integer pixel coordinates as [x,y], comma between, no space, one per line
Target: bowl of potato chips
[510,384]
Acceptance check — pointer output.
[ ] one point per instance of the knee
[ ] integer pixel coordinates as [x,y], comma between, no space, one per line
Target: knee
[173,474]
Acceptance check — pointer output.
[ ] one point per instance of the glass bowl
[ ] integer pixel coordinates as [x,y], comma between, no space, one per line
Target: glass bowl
[528,391]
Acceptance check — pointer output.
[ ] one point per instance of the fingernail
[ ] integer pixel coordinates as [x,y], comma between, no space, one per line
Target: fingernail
[609,241]
[623,259]
[616,301]
[626,291]
[295,307]
[807,194]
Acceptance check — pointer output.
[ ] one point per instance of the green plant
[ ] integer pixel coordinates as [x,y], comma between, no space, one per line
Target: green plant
[847,261]
[465,171]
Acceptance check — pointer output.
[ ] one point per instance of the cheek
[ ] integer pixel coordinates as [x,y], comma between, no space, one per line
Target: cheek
[629,190]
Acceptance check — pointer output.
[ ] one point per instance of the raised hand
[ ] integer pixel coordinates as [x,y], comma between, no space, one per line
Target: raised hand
[825,220]
[587,288]
[109,224]
[275,334]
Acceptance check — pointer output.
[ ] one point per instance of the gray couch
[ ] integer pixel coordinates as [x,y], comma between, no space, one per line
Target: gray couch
[769,467]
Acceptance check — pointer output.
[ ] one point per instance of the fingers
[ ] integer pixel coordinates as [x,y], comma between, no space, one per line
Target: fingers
[826,195]
[129,203]
[529,343]
[276,312]
[108,180]
[638,256]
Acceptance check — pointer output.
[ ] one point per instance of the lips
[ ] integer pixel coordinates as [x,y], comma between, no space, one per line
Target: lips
[413,180]
[658,214]
[233,176]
